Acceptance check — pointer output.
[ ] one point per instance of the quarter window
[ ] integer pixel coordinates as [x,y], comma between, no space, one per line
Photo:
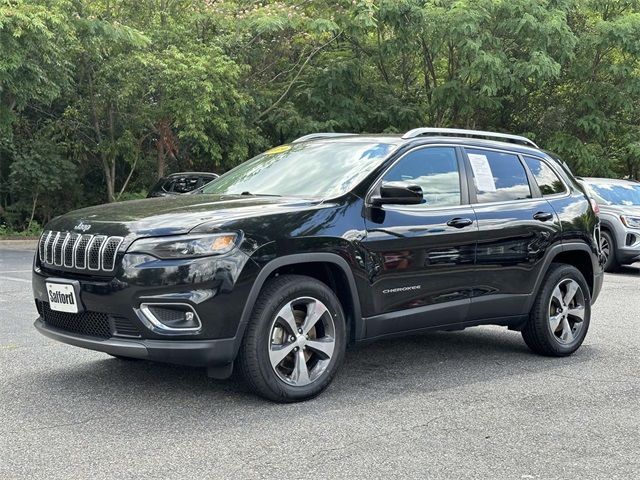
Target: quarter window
[435,170]
[498,177]
[547,180]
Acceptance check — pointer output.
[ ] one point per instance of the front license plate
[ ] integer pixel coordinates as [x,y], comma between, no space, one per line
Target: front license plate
[62,297]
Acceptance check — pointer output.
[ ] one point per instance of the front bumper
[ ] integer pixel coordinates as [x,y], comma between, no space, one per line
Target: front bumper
[628,255]
[193,353]
[109,320]
[628,244]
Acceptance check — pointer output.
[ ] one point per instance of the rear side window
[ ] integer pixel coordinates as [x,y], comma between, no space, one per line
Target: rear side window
[547,180]
[498,177]
[435,170]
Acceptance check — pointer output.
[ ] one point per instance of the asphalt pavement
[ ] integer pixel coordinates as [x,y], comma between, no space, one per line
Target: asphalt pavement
[471,404]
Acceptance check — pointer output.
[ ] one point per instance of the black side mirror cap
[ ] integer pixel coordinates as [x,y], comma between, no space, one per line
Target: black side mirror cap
[398,193]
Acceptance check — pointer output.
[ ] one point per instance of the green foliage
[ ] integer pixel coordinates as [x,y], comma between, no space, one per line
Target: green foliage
[8,232]
[98,99]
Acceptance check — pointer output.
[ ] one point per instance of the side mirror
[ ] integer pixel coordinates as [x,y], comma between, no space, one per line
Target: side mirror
[398,193]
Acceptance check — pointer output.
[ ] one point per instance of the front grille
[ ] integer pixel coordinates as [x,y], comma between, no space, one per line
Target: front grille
[92,324]
[124,328]
[80,252]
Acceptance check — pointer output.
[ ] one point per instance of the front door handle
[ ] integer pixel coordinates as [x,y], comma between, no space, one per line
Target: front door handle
[459,222]
[543,216]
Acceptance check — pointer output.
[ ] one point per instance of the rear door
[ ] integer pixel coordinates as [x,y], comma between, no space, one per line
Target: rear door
[421,256]
[516,227]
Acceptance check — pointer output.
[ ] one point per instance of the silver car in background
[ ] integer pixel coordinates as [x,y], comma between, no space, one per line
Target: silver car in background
[619,202]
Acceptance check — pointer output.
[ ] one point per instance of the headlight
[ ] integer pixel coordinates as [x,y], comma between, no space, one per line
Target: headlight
[186,246]
[631,222]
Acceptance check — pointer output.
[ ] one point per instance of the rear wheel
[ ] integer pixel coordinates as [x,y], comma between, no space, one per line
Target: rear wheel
[608,248]
[560,316]
[295,340]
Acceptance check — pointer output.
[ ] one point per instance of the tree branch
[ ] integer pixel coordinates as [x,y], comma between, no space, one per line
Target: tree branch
[309,57]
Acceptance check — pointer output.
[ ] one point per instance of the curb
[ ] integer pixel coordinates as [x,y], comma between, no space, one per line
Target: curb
[23,244]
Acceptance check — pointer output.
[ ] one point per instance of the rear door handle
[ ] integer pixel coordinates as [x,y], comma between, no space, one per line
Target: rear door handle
[543,216]
[459,222]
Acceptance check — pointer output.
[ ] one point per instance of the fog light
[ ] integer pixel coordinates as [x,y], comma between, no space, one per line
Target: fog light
[170,317]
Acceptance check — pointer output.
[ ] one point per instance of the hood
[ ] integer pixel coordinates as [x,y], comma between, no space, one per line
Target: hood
[172,215]
[632,210]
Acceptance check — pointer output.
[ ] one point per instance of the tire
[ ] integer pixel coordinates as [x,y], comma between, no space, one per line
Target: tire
[553,328]
[608,242]
[282,325]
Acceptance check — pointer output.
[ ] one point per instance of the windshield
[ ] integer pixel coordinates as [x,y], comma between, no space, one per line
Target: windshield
[616,194]
[313,169]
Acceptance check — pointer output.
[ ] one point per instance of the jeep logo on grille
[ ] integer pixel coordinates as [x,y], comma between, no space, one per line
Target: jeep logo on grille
[82,227]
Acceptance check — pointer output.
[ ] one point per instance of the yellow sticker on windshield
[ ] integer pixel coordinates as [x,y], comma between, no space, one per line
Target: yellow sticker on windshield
[280,149]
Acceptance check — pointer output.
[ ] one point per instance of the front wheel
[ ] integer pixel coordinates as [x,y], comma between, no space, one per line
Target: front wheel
[608,248]
[560,316]
[295,340]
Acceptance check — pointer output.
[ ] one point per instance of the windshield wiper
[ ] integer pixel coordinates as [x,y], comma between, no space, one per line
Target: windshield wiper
[249,194]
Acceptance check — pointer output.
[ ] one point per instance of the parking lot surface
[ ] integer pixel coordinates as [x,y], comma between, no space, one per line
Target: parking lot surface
[471,404]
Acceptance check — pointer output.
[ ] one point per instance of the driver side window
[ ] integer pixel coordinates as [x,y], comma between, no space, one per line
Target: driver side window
[435,170]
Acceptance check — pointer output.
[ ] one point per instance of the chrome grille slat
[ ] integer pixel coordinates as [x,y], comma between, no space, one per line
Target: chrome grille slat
[109,252]
[81,251]
[93,252]
[58,248]
[48,254]
[71,250]
[43,240]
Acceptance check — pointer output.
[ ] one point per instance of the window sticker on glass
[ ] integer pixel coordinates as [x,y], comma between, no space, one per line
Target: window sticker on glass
[482,172]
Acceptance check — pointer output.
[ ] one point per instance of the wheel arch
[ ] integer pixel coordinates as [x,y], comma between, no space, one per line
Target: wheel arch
[577,254]
[608,226]
[329,268]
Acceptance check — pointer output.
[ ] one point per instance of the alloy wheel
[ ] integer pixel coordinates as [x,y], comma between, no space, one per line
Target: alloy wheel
[605,247]
[302,341]
[566,311]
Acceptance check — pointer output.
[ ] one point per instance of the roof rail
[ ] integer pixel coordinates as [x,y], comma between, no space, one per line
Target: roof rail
[416,132]
[312,136]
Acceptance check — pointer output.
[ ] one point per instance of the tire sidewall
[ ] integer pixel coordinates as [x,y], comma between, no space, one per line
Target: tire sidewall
[304,288]
[610,264]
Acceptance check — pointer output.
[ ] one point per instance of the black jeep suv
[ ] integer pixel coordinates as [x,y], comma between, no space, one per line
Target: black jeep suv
[330,240]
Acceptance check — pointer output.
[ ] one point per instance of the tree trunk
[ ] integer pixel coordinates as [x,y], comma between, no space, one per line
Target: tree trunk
[109,177]
[162,159]
[33,209]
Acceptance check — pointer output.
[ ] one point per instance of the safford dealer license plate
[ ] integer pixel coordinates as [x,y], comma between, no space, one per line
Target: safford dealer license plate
[62,297]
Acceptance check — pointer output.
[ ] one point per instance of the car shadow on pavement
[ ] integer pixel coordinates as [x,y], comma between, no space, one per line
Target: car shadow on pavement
[427,363]
[633,270]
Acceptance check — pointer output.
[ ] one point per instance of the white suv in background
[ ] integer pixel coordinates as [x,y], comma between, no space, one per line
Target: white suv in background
[619,202]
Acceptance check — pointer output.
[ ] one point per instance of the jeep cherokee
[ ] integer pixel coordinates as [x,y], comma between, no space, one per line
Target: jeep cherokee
[331,240]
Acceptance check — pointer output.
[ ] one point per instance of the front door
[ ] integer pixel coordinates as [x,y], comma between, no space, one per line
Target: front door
[421,257]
